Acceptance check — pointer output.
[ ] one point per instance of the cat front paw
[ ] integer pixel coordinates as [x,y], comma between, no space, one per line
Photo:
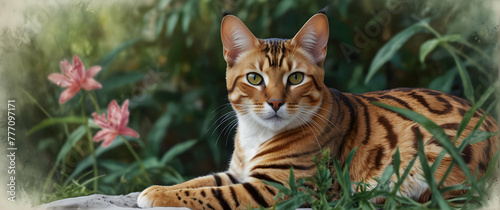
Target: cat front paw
[153,196]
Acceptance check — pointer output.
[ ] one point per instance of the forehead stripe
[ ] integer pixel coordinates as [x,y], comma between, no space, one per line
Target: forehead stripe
[275,51]
[282,57]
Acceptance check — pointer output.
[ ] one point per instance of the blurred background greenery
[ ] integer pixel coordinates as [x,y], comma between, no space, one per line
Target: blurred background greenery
[166,57]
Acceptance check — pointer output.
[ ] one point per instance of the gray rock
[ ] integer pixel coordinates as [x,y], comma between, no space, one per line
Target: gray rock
[98,201]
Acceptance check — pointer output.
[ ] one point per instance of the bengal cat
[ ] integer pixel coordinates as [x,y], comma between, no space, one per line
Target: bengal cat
[286,115]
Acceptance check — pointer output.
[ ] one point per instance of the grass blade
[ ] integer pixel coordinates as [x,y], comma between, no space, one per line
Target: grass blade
[110,57]
[403,176]
[390,48]
[76,135]
[470,113]
[466,82]
[430,45]
[177,150]
[348,160]
[53,121]
[429,176]
[397,160]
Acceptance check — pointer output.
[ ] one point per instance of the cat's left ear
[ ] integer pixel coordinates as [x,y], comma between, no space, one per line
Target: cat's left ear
[313,37]
[236,38]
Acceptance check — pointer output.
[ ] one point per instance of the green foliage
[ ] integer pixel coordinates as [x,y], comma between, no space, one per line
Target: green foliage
[73,138]
[389,49]
[429,45]
[54,121]
[69,190]
[177,150]
[295,191]
[322,181]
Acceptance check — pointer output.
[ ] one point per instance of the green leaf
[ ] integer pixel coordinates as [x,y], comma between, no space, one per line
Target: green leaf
[427,47]
[475,48]
[454,187]
[386,175]
[403,177]
[177,150]
[397,160]
[390,48]
[477,136]
[444,82]
[160,22]
[171,23]
[464,75]
[88,161]
[119,80]
[470,113]
[409,201]
[283,7]
[349,158]
[53,121]
[186,19]
[431,44]
[110,57]
[294,202]
[76,135]
[168,178]
[162,4]
[343,7]
[282,188]
[155,136]
[91,123]
[492,166]
[429,176]
[291,180]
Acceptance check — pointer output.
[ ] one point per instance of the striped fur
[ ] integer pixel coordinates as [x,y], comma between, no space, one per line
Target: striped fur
[270,141]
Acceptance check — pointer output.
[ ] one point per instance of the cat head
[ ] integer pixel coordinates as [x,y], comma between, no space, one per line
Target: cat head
[277,83]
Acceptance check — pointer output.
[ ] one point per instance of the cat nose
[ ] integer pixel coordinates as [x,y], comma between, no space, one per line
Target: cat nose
[275,103]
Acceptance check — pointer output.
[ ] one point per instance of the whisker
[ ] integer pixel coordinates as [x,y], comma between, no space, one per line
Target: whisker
[308,124]
[218,119]
[225,127]
[227,116]
[324,119]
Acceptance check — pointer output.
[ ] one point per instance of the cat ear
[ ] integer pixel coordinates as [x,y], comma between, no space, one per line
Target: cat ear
[236,38]
[313,37]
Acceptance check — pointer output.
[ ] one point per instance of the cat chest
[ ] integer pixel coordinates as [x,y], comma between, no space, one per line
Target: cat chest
[248,147]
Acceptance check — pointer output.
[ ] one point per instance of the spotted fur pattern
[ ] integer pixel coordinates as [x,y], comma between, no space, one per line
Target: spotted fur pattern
[310,116]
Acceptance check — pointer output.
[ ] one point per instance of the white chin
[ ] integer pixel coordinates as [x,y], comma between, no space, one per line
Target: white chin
[275,123]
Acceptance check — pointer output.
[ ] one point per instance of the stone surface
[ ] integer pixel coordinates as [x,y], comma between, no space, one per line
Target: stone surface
[98,201]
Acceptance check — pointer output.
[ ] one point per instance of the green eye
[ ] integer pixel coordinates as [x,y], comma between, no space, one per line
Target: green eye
[254,79]
[296,78]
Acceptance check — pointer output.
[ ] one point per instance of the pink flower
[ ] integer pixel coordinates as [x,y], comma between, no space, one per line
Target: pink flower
[74,78]
[114,125]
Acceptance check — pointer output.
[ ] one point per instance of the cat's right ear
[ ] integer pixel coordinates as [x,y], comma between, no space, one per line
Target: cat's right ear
[313,37]
[236,38]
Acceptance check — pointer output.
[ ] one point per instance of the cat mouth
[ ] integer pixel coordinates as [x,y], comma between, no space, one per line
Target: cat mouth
[274,117]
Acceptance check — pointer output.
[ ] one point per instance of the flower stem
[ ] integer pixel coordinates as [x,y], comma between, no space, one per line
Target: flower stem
[91,144]
[36,102]
[49,177]
[136,158]
[94,101]
[66,131]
